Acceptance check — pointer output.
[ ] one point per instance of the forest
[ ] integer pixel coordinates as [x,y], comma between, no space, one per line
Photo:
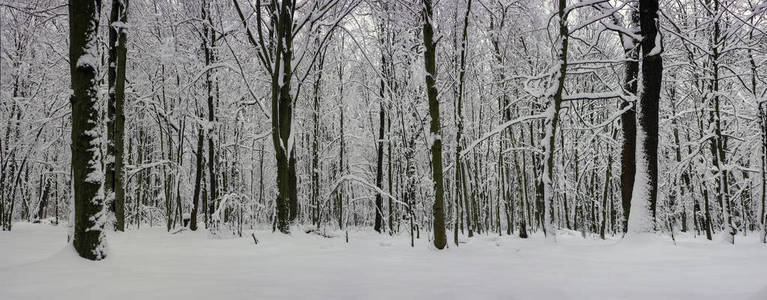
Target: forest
[426,124]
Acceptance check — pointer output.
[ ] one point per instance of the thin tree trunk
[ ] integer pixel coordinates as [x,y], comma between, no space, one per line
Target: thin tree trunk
[209,36]
[551,123]
[440,239]
[197,179]
[113,185]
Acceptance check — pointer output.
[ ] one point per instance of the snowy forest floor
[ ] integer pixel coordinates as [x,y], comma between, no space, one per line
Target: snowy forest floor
[153,264]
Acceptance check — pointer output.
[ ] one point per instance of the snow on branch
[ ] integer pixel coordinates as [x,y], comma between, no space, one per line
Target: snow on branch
[499,129]
[596,96]
[134,169]
[352,178]
[598,18]
[582,4]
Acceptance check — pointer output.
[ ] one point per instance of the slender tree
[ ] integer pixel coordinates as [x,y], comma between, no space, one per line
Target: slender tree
[440,239]
[114,184]
[460,189]
[552,120]
[197,178]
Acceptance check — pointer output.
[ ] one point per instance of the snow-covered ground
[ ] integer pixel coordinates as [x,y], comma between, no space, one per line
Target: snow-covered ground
[153,264]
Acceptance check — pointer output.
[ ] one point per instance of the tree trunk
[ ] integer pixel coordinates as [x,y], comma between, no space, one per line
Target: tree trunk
[197,179]
[645,193]
[282,113]
[552,120]
[378,225]
[113,185]
[342,146]
[89,237]
[628,121]
[440,239]
[460,180]
[718,142]
[209,36]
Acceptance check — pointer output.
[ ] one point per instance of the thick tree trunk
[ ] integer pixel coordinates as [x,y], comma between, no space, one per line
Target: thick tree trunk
[628,122]
[645,193]
[89,237]
[282,113]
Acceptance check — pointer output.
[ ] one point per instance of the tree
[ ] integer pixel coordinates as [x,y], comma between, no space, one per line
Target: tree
[551,122]
[89,237]
[645,194]
[628,118]
[277,60]
[459,176]
[718,142]
[114,184]
[383,40]
[435,138]
[197,178]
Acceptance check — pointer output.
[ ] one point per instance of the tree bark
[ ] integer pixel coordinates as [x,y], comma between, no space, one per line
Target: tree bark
[645,193]
[89,237]
[114,185]
[551,123]
[282,112]
[440,239]
[209,36]
[628,121]
[378,225]
[197,180]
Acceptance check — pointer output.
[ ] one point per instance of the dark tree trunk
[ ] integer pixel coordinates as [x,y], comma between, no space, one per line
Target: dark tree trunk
[88,237]
[647,129]
[45,183]
[209,36]
[114,186]
[440,239]
[378,225]
[282,112]
[460,181]
[342,146]
[197,180]
[551,124]
[628,123]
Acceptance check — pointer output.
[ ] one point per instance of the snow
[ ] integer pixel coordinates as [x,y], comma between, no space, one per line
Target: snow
[433,138]
[658,47]
[35,263]
[87,60]
[640,221]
